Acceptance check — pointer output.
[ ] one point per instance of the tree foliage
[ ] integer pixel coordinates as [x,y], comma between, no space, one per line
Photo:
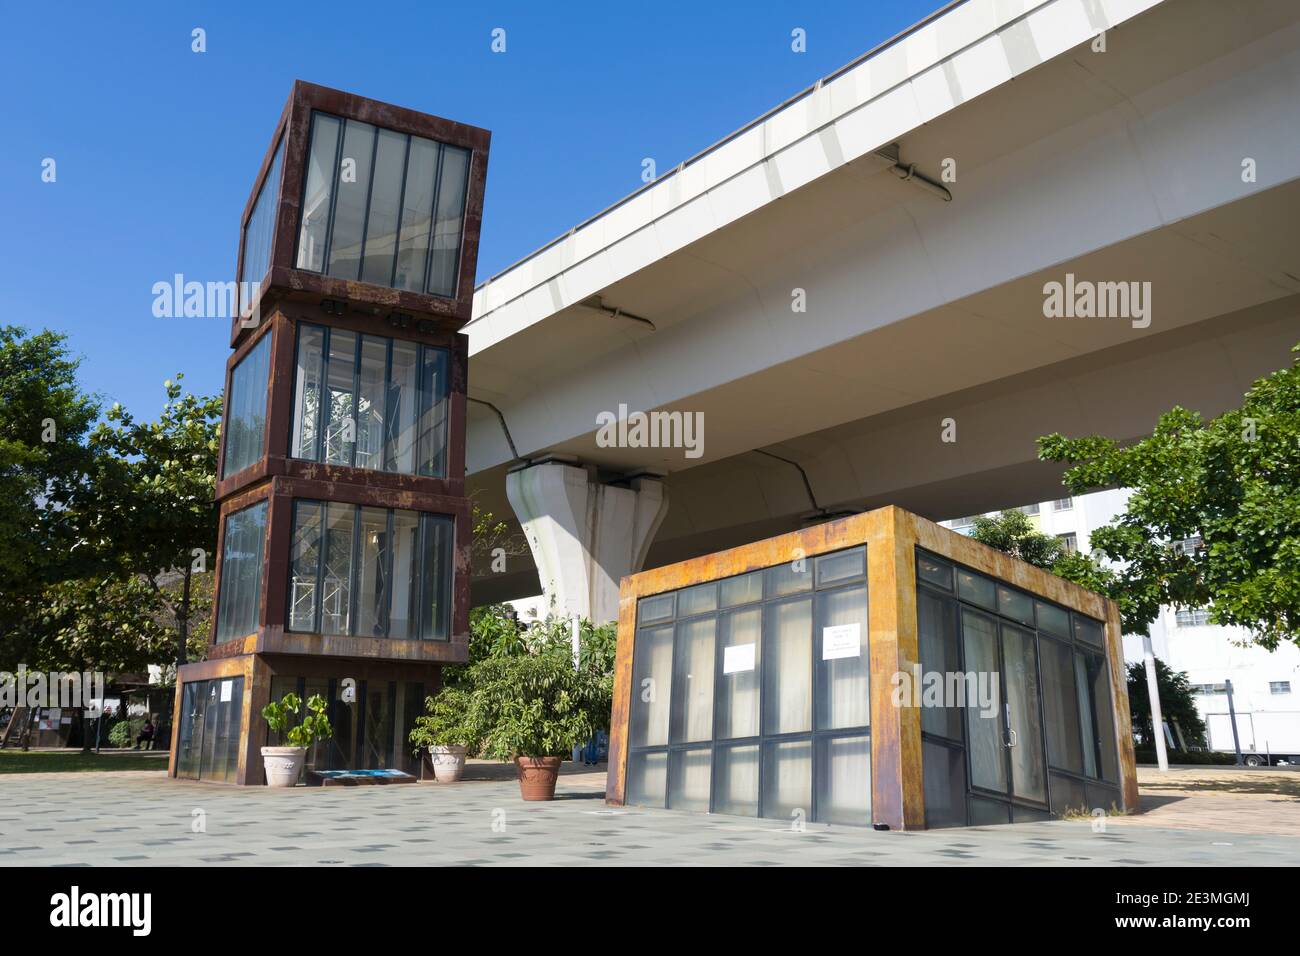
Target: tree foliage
[1232,481]
[1177,703]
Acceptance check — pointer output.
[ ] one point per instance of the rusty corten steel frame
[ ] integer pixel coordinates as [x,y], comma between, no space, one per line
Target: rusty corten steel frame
[891,536]
[282,280]
[288,297]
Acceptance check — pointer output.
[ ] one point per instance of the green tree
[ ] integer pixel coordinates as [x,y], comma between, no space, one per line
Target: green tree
[149,504]
[1232,482]
[1177,703]
[1014,533]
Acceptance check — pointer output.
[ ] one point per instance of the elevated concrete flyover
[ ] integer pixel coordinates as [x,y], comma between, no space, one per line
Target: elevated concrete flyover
[1135,148]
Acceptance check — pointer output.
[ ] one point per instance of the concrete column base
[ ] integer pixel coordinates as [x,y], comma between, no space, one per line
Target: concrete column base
[584,536]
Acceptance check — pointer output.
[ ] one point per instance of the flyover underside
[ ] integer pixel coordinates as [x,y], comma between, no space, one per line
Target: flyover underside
[900,457]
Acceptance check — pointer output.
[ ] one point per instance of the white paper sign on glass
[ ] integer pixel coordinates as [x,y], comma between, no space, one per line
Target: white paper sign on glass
[737,658]
[841,640]
[226,687]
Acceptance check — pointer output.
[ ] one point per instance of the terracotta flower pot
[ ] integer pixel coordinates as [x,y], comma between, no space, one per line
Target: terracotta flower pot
[537,776]
[283,765]
[448,762]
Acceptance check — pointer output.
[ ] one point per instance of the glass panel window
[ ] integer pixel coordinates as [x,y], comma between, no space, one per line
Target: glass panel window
[976,588]
[692,711]
[1052,619]
[933,571]
[647,779]
[787,691]
[1099,677]
[372,576]
[697,600]
[438,534]
[403,407]
[260,229]
[657,608]
[1089,631]
[735,780]
[844,780]
[842,659]
[841,566]
[688,779]
[983,729]
[403,609]
[417,215]
[944,770]
[370,572]
[737,702]
[742,589]
[336,574]
[246,408]
[787,780]
[304,565]
[444,259]
[434,409]
[383,207]
[352,188]
[1015,605]
[322,168]
[789,578]
[651,688]
[340,398]
[384,212]
[385,402]
[307,390]
[1061,707]
[937,638]
[371,403]
[1066,794]
[241,572]
[1024,708]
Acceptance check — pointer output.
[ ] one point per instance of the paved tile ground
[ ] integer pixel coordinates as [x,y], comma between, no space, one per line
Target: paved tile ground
[142,817]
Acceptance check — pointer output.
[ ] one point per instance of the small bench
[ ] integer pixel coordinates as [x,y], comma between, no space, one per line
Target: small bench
[356,778]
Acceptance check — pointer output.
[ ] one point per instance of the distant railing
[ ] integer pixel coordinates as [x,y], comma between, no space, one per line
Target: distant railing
[897,37]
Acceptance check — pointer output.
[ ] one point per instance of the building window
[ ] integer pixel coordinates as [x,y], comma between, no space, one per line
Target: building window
[959,524]
[1062,504]
[1209,688]
[1279,687]
[241,573]
[370,572]
[371,402]
[1188,546]
[246,409]
[1069,542]
[382,207]
[259,231]
[1028,509]
[1192,617]
[759,702]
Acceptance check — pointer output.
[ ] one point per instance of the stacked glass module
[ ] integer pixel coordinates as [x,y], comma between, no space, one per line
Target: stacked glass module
[368,401]
[750,695]
[1026,730]
[382,207]
[341,485]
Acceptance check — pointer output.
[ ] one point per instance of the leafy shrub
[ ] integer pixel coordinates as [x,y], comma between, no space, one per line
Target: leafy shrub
[279,716]
[448,721]
[120,735]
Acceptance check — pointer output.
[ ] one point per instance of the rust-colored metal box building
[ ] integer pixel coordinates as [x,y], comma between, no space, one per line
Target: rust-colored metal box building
[343,553]
[874,670]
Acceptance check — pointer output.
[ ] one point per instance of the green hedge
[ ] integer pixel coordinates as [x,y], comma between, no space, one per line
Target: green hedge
[1207,757]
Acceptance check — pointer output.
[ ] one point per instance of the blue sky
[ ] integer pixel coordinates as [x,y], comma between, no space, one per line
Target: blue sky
[156,146]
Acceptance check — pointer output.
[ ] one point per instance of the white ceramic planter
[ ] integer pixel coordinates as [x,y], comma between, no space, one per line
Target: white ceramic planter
[283,765]
[448,762]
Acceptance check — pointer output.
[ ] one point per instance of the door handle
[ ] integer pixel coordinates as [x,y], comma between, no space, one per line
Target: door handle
[1011,734]
[1011,737]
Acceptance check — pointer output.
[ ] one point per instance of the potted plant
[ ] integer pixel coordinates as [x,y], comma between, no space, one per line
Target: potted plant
[284,764]
[533,708]
[447,730]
